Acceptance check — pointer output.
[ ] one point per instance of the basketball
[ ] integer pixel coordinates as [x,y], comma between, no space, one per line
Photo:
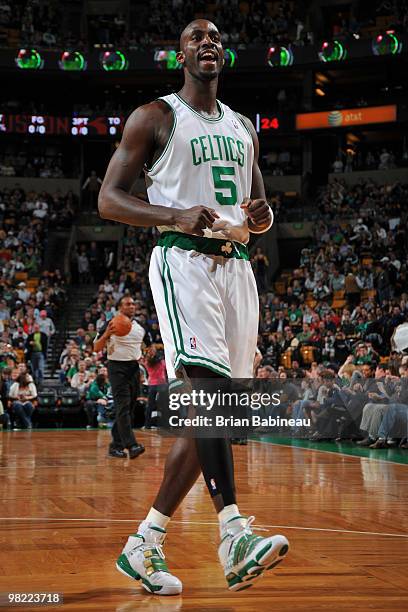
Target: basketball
[122,325]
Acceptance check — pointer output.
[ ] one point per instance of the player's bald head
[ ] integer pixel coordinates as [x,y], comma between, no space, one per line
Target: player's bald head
[197,36]
[197,24]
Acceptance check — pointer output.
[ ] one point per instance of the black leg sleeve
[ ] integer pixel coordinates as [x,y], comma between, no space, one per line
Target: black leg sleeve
[217,465]
[215,454]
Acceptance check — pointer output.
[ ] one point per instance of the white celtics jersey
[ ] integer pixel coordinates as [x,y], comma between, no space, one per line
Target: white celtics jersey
[205,162]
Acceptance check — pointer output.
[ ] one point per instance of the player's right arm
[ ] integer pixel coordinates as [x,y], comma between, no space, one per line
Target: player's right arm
[145,135]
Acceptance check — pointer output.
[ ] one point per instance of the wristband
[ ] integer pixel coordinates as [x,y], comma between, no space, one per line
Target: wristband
[266,228]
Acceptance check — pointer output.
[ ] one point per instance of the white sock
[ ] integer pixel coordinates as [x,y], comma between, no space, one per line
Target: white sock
[230,512]
[156,517]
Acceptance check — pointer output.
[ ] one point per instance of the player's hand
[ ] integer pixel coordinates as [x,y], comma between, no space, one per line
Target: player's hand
[194,220]
[258,212]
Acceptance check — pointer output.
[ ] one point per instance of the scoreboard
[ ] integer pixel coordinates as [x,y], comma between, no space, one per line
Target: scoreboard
[101,125]
[50,125]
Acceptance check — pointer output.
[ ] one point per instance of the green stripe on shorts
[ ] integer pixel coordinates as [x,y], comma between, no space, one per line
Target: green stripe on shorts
[173,298]
[171,306]
[166,299]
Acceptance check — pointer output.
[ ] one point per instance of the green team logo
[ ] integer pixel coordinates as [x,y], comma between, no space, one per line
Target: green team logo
[210,148]
[217,148]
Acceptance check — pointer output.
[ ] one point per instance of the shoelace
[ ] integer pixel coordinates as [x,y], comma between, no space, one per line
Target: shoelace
[242,541]
[156,548]
[246,530]
[159,549]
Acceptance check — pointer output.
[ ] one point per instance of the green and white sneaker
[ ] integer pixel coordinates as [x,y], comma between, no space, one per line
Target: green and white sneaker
[143,559]
[244,555]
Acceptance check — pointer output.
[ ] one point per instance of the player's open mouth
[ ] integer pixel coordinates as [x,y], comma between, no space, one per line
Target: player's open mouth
[208,57]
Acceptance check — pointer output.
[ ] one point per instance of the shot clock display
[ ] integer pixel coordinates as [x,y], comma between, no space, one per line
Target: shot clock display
[266,123]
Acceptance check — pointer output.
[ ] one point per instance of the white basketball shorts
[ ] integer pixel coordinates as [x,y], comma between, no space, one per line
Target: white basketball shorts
[207,304]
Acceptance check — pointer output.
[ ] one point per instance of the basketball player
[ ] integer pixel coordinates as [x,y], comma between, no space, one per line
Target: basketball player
[206,194]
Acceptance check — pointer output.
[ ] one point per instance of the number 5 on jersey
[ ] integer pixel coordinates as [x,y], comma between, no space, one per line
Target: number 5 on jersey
[219,172]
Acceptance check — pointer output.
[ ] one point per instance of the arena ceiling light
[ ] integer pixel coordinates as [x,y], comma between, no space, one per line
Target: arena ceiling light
[166,59]
[114,61]
[332,51]
[72,61]
[230,56]
[29,59]
[387,43]
[321,79]
[279,57]
[352,138]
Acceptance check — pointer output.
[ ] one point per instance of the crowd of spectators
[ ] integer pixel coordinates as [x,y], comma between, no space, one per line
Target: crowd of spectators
[243,23]
[36,166]
[362,401]
[368,200]
[27,314]
[374,159]
[116,275]
[330,322]
[340,306]
[249,22]
[30,297]
[39,22]
[352,280]
[364,19]
[280,163]
[25,217]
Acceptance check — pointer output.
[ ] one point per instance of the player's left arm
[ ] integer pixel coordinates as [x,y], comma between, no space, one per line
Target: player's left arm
[260,215]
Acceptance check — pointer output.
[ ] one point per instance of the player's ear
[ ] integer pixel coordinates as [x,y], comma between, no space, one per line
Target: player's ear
[180,57]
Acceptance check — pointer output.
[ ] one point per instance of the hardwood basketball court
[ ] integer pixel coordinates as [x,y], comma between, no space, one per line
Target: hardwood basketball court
[66,510]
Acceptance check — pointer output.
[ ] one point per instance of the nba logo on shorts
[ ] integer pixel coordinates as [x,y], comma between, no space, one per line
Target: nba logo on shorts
[193,343]
[213,485]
